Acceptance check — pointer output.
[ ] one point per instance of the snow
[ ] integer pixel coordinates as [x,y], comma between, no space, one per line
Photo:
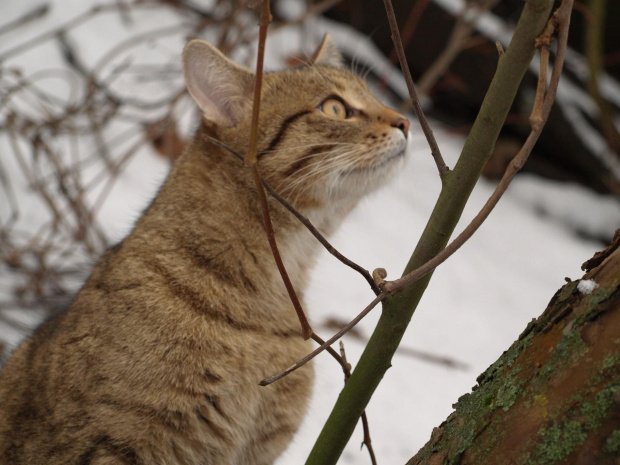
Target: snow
[586,286]
[476,304]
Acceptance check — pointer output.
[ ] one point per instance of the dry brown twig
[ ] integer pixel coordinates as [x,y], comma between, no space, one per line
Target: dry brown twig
[306,222]
[367,440]
[250,161]
[422,355]
[415,101]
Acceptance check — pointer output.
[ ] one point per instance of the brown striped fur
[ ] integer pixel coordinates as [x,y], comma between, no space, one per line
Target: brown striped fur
[158,358]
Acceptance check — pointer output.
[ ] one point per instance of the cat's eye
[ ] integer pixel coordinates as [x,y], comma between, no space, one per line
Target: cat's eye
[334,108]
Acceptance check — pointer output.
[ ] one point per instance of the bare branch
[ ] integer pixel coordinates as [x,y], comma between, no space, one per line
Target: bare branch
[367,441]
[415,101]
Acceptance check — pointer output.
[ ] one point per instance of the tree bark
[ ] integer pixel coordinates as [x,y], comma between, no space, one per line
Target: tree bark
[554,396]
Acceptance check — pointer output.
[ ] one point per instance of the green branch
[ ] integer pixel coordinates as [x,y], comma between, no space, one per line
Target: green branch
[457,186]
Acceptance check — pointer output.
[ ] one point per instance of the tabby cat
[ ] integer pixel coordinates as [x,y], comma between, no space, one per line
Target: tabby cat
[157,360]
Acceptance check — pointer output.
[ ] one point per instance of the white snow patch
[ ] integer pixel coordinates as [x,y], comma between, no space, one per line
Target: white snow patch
[586,286]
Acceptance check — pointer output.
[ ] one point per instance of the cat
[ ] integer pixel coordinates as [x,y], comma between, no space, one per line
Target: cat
[158,358]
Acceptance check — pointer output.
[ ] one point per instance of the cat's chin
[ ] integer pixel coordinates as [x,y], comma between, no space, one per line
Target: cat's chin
[358,182]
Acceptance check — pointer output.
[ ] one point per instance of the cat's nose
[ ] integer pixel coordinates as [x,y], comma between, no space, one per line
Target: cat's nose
[401,123]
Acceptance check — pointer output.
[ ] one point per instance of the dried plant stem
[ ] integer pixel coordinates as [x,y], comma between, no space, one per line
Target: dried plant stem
[250,161]
[34,14]
[346,369]
[415,101]
[330,248]
[265,19]
[327,344]
[306,330]
[542,43]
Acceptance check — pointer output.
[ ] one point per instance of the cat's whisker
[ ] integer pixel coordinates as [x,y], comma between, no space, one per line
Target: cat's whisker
[297,147]
[307,171]
[334,164]
[327,165]
[369,67]
[277,163]
[324,164]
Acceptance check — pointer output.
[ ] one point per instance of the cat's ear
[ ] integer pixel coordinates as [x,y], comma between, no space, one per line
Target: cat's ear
[222,89]
[327,54]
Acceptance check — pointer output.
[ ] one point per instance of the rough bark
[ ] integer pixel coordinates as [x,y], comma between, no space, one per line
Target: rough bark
[554,396]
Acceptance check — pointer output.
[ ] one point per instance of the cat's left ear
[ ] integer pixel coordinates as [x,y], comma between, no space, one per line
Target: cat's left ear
[222,89]
[327,54]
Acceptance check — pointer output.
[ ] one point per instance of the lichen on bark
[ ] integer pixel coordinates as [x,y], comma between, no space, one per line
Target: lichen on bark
[554,396]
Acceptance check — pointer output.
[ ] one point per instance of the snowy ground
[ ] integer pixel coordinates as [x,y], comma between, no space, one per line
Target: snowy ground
[476,305]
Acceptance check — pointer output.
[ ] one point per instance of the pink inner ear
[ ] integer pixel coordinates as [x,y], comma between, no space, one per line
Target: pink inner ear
[218,86]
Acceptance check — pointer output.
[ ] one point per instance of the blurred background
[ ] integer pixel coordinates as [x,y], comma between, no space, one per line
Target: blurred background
[93,112]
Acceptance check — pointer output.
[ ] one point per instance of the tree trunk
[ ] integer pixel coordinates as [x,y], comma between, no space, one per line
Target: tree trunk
[554,396]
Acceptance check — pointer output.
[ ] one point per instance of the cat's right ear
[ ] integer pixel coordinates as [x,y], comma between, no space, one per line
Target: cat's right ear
[327,54]
[222,89]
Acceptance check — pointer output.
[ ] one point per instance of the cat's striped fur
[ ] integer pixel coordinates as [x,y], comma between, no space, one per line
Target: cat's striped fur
[157,360]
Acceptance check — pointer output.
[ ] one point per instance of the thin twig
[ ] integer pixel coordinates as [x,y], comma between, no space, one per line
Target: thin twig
[265,19]
[542,43]
[425,356]
[330,248]
[367,441]
[250,161]
[415,101]
[36,13]
[301,362]
[306,330]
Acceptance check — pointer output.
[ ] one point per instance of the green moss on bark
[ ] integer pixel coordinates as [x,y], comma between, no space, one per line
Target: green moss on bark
[555,443]
[612,444]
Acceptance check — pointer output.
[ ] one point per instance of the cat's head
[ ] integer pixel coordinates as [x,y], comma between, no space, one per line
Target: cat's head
[323,137]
